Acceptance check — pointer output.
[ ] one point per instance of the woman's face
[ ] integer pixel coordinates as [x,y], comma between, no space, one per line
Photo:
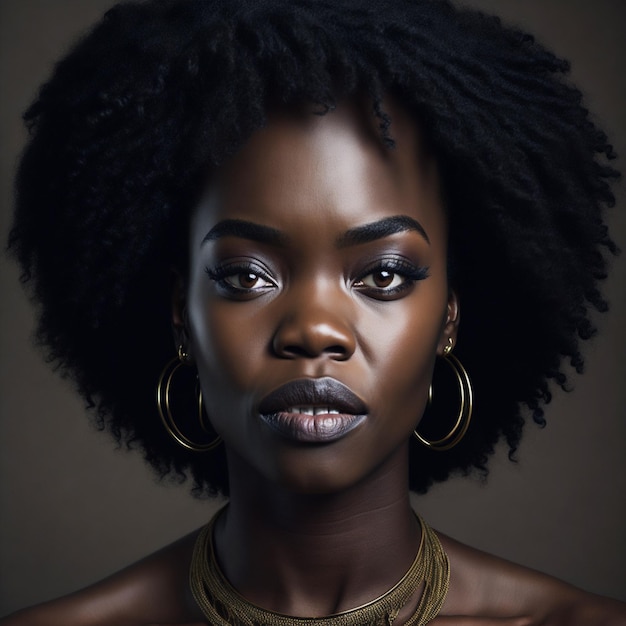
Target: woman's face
[317,297]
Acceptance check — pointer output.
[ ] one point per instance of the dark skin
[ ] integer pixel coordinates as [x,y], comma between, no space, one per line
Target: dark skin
[317,527]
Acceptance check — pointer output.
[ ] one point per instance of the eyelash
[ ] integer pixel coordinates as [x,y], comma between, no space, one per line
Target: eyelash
[221,273]
[407,271]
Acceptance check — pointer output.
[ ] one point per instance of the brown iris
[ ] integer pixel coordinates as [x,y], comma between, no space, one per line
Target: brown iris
[383,278]
[247,280]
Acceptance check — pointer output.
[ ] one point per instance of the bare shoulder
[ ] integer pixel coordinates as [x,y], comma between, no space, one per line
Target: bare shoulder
[490,590]
[151,591]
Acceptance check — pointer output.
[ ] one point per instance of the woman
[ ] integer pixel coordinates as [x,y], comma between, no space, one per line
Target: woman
[312,205]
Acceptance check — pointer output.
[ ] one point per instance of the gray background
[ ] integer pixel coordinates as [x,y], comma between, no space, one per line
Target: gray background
[74,509]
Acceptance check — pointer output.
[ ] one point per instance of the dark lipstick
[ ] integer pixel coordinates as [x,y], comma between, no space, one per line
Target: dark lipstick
[312,410]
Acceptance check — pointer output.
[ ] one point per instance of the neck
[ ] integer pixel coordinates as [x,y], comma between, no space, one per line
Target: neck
[317,554]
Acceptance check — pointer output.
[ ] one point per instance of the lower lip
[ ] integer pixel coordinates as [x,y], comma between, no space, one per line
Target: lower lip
[322,428]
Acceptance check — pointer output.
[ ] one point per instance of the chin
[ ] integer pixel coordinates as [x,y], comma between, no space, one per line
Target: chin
[338,475]
[319,470]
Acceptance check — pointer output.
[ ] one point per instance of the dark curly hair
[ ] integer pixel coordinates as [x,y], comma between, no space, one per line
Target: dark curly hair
[123,134]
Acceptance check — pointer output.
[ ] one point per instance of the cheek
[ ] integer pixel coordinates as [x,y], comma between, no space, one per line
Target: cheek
[403,360]
[228,351]
[227,344]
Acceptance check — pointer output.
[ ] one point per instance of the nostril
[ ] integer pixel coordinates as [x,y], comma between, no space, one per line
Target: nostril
[308,336]
[337,351]
[293,351]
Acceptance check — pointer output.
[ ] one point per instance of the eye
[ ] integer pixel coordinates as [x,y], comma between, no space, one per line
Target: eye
[241,279]
[247,280]
[383,279]
[390,278]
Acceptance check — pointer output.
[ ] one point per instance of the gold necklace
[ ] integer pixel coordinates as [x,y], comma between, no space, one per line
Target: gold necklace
[222,605]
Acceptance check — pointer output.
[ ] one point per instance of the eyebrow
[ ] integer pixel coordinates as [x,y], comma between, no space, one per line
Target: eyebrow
[382,228]
[246,230]
[354,236]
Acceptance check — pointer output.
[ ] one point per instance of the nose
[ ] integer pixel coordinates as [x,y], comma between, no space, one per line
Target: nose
[311,329]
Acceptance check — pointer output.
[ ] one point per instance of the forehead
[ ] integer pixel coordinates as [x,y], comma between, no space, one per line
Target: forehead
[307,170]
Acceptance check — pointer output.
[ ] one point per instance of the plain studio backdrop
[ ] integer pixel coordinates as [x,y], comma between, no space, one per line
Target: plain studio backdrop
[74,509]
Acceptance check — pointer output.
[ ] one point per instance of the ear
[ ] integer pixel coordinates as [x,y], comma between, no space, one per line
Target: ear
[451,324]
[178,293]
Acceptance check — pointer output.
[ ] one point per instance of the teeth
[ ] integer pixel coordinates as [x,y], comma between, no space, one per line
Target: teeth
[313,410]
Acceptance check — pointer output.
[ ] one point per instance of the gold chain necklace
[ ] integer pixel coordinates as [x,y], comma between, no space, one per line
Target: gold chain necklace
[222,605]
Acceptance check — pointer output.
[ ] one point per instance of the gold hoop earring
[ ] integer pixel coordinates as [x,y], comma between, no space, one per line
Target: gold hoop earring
[465,410]
[165,412]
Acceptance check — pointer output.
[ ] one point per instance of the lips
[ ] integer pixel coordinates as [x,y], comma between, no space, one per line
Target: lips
[312,410]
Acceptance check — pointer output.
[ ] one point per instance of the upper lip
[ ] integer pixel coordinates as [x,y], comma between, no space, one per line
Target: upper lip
[326,392]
